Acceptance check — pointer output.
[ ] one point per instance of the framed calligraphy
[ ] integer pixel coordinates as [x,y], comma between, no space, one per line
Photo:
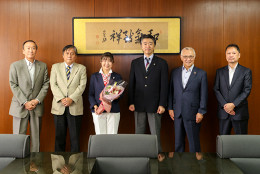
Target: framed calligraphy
[122,35]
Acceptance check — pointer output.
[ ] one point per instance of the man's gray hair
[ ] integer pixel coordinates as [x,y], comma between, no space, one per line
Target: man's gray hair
[189,48]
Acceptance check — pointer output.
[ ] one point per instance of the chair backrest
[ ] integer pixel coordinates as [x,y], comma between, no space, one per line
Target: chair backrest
[238,146]
[123,145]
[123,153]
[13,145]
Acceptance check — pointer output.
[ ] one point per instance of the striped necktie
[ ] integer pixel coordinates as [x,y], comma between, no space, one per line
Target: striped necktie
[147,63]
[68,72]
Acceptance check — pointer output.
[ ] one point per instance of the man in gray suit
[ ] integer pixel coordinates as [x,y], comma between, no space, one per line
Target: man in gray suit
[29,83]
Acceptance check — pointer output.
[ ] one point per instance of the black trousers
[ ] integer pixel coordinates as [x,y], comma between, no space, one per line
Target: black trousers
[239,126]
[62,122]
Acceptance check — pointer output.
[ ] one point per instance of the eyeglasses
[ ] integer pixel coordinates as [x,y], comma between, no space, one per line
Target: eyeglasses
[188,57]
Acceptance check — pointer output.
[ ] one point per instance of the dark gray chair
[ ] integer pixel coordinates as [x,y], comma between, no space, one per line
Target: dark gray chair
[123,153]
[13,146]
[243,150]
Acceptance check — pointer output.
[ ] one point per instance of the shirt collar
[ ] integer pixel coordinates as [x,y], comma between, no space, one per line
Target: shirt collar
[189,70]
[28,62]
[151,57]
[230,69]
[101,71]
[68,65]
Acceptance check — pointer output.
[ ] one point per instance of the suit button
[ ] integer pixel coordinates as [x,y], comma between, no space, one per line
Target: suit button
[145,85]
[146,77]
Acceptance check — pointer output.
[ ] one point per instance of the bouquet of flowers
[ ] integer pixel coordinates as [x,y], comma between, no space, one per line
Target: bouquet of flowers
[112,91]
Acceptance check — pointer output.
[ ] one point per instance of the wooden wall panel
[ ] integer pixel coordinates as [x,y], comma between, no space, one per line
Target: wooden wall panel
[51,28]
[14,29]
[146,8]
[207,25]
[202,26]
[242,26]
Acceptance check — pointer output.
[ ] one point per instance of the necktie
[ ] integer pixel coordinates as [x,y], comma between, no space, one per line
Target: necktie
[147,63]
[68,72]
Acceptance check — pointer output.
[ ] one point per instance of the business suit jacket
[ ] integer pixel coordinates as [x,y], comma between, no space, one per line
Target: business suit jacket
[236,93]
[21,86]
[193,98]
[96,86]
[72,88]
[148,90]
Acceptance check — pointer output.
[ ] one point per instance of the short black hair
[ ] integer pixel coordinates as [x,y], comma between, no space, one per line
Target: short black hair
[30,41]
[68,47]
[233,45]
[107,55]
[147,36]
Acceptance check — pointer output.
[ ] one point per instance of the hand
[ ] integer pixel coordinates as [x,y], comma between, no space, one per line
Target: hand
[95,109]
[171,154]
[66,169]
[232,113]
[199,117]
[35,102]
[33,167]
[160,110]
[199,156]
[171,113]
[161,157]
[66,101]
[29,106]
[229,107]
[132,107]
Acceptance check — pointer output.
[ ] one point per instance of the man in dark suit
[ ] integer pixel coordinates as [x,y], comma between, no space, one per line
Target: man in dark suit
[188,95]
[232,87]
[29,83]
[148,88]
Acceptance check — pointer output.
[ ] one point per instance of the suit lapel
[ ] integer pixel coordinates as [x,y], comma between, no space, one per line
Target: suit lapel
[141,65]
[112,77]
[152,65]
[235,76]
[100,80]
[192,76]
[27,71]
[37,70]
[62,70]
[73,73]
[179,76]
[226,75]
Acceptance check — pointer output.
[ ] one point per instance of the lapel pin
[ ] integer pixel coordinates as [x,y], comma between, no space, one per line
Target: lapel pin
[195,73]
[113,77]
[154,64]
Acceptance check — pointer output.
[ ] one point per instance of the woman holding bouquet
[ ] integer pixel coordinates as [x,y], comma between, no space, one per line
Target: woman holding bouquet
[105,123]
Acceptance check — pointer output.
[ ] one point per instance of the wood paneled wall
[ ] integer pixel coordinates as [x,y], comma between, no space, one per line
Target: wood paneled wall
[207,25]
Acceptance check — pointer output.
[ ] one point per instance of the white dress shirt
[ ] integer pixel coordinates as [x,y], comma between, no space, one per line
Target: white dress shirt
[149,59]
[186,75]
[31,68]
[231,73]
[71,66]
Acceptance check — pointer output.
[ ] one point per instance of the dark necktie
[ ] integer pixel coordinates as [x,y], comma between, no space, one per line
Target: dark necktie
[147,63]
[68,72]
